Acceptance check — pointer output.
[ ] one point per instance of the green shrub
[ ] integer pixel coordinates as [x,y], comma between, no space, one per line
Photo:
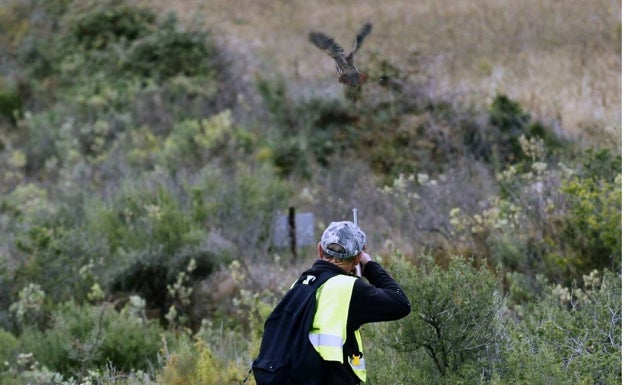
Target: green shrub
[289,159]
[96,61]
[11,104]
[593,227]
[332,131]
[242,204]
[290,130]
[8,348]
[569,336]
[47,249]
[28,31]
[195,142]
[454,320]
[29,309]
[508,115]
[86,337]
[560,221]
[41,138]
[104,23]
[169,52]
[93,38]
[499,143]
[144,214]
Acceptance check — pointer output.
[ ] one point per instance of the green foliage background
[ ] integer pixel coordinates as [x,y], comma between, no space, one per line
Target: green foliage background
[140,177]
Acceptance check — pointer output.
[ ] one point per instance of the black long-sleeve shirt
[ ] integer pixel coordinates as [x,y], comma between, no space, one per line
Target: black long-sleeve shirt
[382,299]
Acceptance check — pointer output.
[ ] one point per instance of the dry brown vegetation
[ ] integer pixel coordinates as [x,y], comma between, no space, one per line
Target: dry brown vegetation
[560,59]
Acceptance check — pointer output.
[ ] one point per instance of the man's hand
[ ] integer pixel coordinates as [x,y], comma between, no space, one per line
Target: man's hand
[364,259]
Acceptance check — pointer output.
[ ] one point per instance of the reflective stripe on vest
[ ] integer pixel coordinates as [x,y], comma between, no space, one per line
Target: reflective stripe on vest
[360,368]
[329,328]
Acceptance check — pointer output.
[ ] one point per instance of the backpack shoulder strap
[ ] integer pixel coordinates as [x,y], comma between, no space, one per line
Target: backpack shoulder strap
[315,281]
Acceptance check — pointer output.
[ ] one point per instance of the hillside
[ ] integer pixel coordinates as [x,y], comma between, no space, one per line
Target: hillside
[561,60]
[147,148]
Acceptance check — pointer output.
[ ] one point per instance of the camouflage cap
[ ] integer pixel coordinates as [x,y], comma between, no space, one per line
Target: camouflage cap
[346,234]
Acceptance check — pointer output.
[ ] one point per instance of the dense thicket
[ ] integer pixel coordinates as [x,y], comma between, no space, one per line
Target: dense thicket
[138,193]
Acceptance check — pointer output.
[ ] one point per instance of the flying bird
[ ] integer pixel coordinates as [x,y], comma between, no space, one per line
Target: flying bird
[348,73]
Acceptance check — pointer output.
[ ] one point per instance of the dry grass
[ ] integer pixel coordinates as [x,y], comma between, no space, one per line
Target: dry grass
[560,59]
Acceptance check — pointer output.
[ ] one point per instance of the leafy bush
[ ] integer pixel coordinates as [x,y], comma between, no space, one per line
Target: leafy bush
[29,309]
[196,142]
[100,58]
[460,331]
[88,336]
[105,23]
[593,227]
[454,320]
[11,104]
[499,143]
[93,38]
[40,142]
[305,131]
[195,364]
[169,52]
[48,261]
[559,221]
[152,216]
[8,348]
[570,336]
[510,118]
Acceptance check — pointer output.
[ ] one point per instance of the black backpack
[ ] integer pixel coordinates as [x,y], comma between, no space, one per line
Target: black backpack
[287,356]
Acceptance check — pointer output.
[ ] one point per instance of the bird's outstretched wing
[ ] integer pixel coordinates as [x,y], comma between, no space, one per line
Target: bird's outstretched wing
[366,29]
[329,46]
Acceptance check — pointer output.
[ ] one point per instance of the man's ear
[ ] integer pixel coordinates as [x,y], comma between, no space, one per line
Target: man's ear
[320,251]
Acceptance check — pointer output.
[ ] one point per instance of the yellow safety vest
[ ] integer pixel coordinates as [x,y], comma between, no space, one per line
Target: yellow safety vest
[329,328]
